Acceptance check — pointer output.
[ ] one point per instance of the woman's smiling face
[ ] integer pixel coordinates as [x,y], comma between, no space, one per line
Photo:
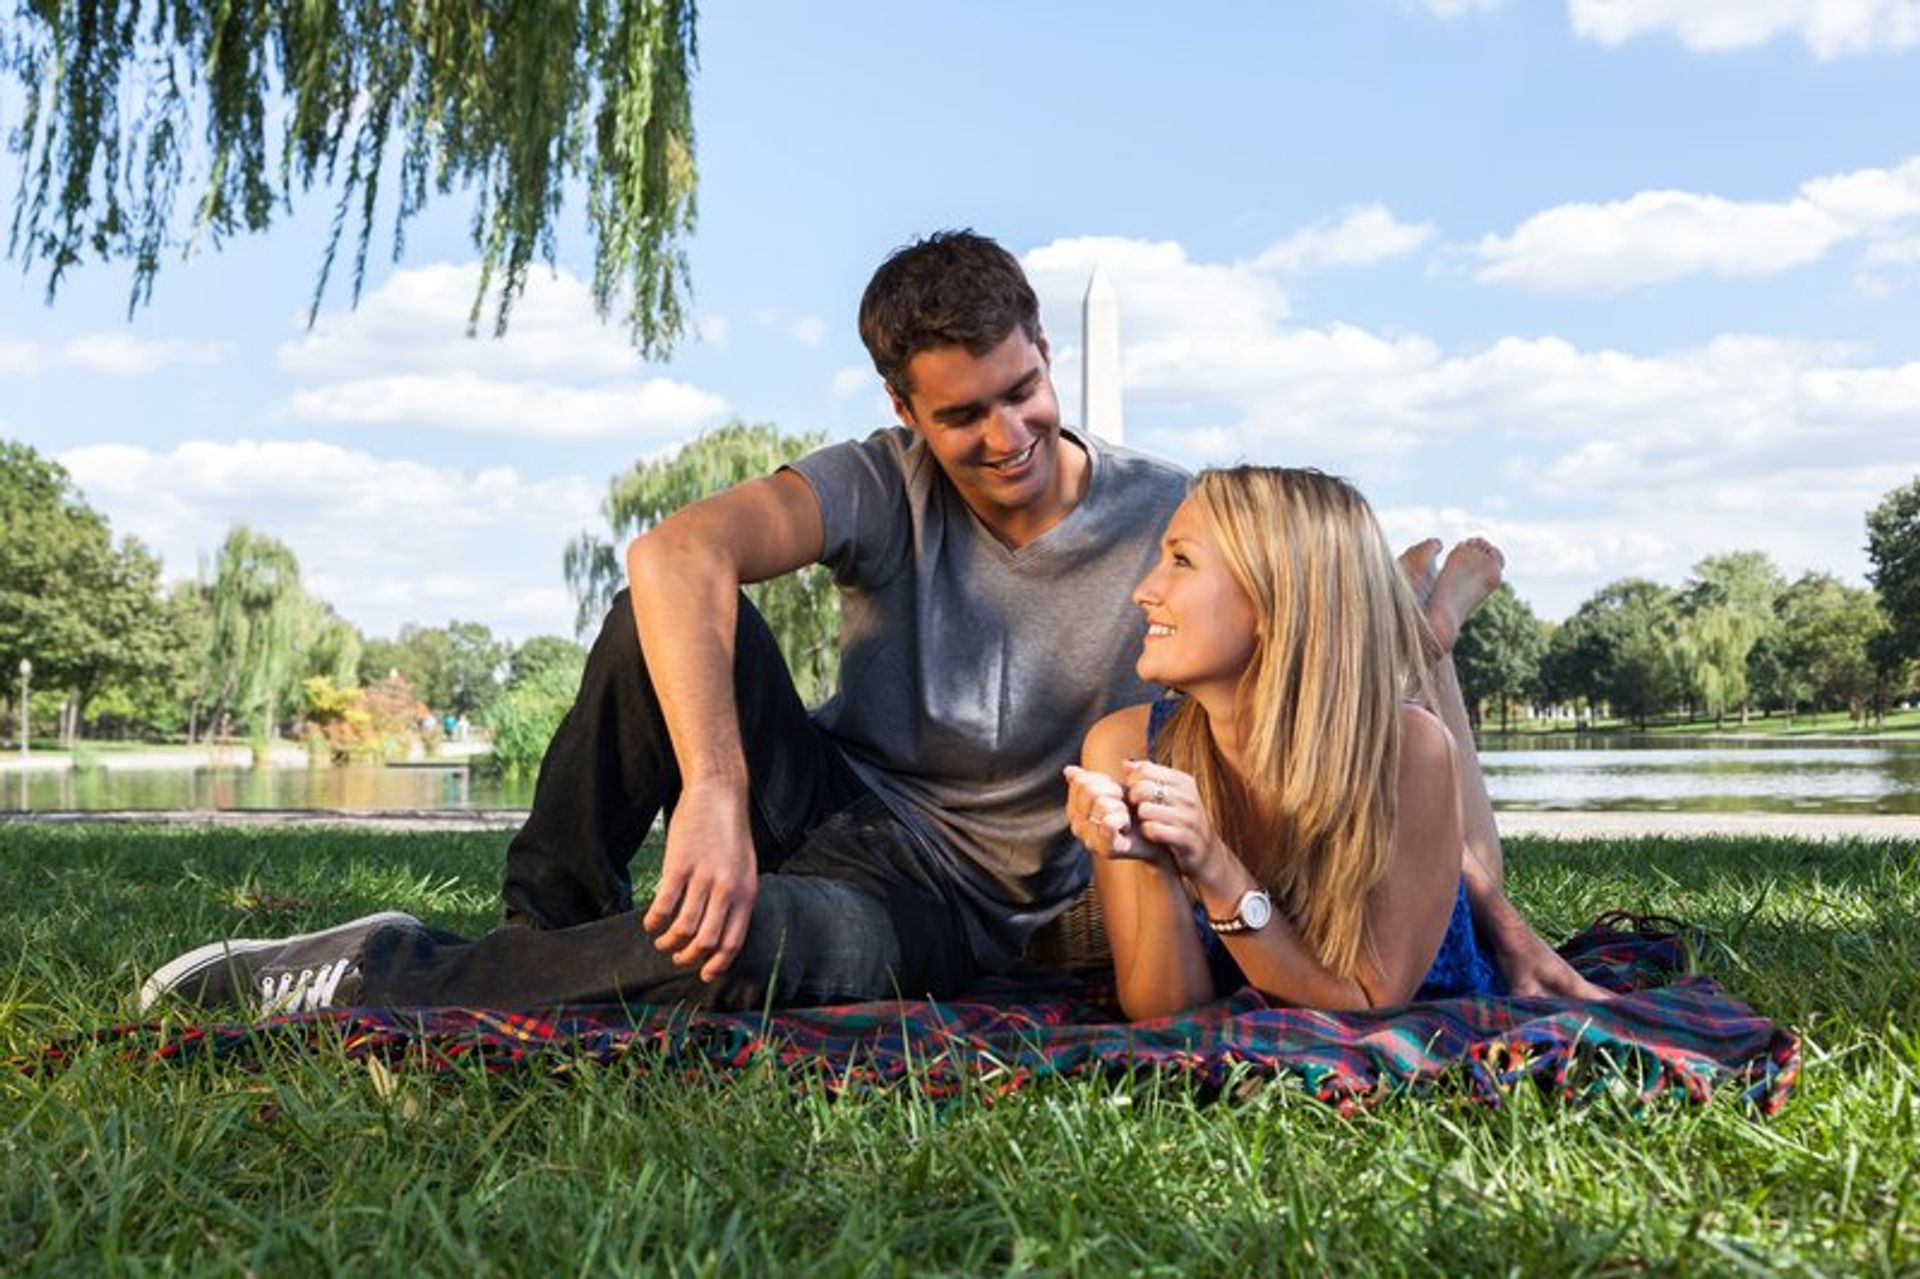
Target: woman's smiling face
[1201,626]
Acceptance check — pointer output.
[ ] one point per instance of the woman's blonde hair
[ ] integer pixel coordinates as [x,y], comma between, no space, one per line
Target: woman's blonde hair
[1341,644]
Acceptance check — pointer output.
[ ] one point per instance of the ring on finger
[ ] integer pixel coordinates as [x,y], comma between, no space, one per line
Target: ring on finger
[1159,792]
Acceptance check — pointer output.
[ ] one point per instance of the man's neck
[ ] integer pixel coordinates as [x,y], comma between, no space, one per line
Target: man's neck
[1015,530]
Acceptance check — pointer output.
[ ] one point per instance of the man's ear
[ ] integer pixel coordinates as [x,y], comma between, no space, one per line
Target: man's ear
[901,409]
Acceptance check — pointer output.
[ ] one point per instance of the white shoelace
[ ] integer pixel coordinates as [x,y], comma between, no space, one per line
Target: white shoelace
[309,990]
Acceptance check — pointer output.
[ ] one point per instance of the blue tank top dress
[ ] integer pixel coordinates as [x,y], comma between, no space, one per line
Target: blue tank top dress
[1461,968]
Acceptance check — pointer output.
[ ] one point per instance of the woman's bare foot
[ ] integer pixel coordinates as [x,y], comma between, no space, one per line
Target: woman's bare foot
[1471,573]
[1421,564]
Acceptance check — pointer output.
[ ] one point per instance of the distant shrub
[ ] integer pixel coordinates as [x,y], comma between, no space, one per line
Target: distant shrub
[379,722]
[524,717]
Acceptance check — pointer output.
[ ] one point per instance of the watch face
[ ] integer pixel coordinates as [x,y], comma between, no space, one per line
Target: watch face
[1256,908]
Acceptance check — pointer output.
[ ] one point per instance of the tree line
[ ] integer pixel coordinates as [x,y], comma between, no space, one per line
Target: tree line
[1734,638]
[241,650]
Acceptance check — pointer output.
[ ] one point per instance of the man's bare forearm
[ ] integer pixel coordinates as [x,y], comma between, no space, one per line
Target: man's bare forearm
[685,598]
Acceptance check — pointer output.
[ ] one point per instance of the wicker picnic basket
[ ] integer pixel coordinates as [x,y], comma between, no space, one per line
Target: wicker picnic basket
[1076,940]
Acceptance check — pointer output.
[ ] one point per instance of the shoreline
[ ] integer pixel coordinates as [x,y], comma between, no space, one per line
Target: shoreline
[1513,824]
[223,755]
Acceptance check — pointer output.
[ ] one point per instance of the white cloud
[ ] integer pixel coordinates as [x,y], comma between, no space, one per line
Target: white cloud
[658,409]
[1162,290]
[416,323]
[1654,236]
[806,330]
[1830,28]
[1361,237]
[385,541]
[850,380]
[21,358]
[122,355]
[402,359]
[1450,9]
[1590,462]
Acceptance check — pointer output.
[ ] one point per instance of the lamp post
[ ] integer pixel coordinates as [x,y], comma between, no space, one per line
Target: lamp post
[26,683]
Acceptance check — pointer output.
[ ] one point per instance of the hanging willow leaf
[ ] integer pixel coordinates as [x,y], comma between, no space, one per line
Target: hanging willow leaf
[241,105]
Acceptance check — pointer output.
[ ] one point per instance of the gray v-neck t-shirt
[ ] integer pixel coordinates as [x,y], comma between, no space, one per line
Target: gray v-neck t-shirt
[970,672]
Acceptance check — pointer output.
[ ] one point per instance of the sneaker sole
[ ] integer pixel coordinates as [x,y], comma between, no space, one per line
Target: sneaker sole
[196,961]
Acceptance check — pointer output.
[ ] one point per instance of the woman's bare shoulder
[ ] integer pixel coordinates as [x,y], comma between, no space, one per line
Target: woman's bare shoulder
[1424,739]
[1119,735]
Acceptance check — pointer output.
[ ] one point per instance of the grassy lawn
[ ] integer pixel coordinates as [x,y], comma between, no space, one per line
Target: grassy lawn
[313,1164]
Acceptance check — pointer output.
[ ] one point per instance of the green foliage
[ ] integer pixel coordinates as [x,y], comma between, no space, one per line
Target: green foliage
[1617,649]
[258,607]
[80,608]
[542,651]
[1499,652]
[378,722]
[523,718]
[453,668]
[1726,609]
[237,107]
[802,608]
[1830,629]
[1893,544]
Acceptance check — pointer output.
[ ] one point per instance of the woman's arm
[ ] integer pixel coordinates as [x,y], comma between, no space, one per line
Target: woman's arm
[1159,964]
[1406,912]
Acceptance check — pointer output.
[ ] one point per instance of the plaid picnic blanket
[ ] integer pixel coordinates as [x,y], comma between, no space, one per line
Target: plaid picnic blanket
[1670,1033]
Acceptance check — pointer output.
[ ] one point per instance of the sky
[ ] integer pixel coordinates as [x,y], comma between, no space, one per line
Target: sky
[1616,283]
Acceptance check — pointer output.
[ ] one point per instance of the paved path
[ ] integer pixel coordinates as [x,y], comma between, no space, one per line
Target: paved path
[1543,824]
[1690,825]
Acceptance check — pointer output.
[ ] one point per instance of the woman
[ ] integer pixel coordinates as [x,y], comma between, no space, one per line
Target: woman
[1291,816]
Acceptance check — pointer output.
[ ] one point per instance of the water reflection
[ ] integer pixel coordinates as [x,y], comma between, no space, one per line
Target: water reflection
[1576,773]
[1761,776]
[361,787]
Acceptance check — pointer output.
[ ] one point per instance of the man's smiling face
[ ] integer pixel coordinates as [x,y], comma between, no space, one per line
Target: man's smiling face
[993,424]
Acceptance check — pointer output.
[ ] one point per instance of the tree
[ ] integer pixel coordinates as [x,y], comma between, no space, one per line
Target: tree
[257,609]
[512,101]
[543,653]
[80,608]
[1893,544]
[1726,608]
[332,645]
[1499,652]
[1832,631]
[1616,649]
[801,608]
[545,676]
[474,661]
[453,668]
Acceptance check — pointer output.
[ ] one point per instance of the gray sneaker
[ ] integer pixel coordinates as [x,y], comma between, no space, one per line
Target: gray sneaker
[303,973]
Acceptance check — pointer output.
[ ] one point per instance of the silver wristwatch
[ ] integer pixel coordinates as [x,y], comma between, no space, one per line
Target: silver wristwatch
[1252,914]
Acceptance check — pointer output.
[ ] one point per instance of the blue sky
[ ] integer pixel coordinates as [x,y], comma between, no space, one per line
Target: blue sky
[1619,283]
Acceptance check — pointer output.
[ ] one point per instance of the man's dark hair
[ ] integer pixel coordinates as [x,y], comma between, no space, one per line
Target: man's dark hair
[954,288]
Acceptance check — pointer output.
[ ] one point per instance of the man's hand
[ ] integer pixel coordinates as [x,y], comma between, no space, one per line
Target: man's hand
[709,881]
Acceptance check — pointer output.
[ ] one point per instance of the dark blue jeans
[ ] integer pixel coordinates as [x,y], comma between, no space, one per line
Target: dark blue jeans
[849,905]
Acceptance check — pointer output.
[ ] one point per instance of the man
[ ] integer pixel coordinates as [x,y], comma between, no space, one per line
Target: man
[907,837]
[904,839]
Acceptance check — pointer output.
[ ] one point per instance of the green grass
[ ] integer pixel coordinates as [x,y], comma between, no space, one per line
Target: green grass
[314,1164]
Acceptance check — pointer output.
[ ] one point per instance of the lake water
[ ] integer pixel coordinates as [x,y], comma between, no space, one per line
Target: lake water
[354,787]
[1662,773]
[1614,773]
